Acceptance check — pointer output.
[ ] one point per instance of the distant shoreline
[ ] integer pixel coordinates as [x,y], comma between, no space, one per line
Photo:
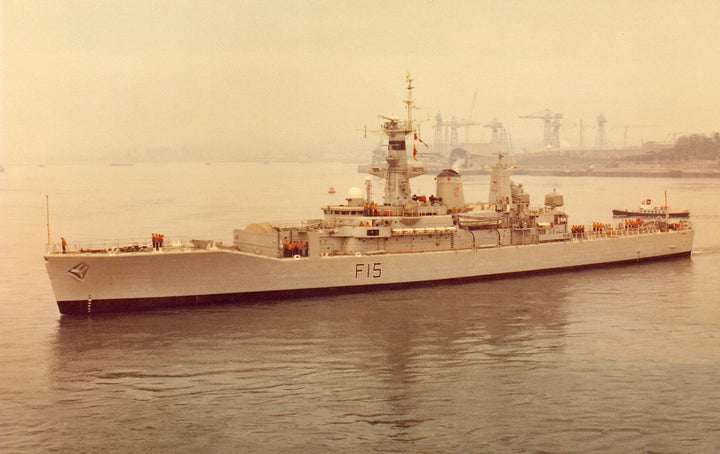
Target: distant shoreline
[628,173]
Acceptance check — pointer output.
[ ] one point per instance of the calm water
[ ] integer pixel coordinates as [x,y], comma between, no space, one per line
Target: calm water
[625,359]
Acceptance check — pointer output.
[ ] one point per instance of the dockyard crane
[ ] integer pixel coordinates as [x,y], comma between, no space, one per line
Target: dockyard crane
[496,127]
[600,142]
[451,128]
[556,133]
[551,135]
[439,145]
[499,134]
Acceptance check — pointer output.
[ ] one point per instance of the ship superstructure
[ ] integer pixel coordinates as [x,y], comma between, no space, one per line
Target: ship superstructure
[405,222]
[403,239]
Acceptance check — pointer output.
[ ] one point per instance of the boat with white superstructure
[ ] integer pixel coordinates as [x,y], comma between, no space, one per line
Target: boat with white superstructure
[360,245]
[647,209]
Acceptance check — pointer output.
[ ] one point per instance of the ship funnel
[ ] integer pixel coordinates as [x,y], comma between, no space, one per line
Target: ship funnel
[450,190]
[500,185]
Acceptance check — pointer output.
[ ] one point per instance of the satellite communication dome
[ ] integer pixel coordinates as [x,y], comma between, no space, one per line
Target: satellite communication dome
[355,193]
[355,197]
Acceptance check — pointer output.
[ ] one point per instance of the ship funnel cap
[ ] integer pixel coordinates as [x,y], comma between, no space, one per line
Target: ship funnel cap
[448,173]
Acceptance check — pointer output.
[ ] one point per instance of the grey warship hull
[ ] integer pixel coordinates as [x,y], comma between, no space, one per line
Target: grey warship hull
[188,277]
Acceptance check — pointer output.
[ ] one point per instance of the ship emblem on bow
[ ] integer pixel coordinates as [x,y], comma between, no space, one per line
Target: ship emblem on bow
[78,271]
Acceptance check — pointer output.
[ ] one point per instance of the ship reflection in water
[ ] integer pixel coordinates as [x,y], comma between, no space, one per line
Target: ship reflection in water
[385,368]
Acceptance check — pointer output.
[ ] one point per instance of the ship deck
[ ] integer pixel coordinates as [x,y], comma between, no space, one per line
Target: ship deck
[138,247]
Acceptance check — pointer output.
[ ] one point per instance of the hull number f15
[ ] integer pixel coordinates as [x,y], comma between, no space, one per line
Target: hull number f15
[368,271]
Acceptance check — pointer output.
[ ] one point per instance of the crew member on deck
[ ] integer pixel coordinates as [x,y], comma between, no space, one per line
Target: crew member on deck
[64,243]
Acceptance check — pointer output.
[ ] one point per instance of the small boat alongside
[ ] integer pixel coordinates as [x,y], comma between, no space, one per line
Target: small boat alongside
[646,209]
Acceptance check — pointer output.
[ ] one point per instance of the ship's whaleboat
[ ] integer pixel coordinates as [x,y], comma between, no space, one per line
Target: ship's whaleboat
[362,244]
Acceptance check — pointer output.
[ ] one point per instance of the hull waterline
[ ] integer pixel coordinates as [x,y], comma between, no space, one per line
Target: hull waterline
[117,305]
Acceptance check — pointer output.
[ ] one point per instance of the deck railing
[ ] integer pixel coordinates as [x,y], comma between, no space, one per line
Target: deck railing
[609,231]
[128,245]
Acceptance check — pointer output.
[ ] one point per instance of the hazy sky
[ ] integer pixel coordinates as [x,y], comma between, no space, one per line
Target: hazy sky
[82,77]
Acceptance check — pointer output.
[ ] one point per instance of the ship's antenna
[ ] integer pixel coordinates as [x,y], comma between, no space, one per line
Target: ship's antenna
[47,217]
[409,101]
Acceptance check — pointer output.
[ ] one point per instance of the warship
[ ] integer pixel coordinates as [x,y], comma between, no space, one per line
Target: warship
[363,244]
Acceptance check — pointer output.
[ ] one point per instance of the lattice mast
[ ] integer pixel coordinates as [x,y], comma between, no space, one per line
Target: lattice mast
[397,172]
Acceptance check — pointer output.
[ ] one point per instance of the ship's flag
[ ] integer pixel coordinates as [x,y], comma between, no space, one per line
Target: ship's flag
[414,152]
[420,140]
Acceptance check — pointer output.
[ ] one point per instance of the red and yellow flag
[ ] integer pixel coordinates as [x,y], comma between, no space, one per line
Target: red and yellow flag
[421,141]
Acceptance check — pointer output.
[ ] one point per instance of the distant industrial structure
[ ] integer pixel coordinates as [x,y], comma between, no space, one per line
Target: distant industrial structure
[448,147]
[580,153]
[499,135]
[551,131]
[446,133]
[600,141]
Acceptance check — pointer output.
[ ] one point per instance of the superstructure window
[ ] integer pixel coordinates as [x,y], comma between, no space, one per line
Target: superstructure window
[397,144]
